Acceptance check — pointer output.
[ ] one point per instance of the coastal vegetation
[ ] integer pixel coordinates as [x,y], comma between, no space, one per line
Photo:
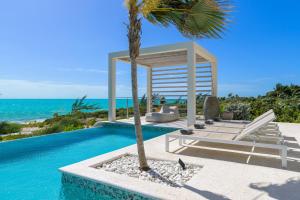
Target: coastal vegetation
[283,99]
[9,127]
[79,117]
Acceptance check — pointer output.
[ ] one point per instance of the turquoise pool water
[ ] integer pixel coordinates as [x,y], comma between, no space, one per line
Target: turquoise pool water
[29,167]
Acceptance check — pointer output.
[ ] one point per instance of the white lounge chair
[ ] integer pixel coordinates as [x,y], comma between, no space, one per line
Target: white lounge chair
[247,137]
[166,114]
[270,126]
[243,124]
[269,129]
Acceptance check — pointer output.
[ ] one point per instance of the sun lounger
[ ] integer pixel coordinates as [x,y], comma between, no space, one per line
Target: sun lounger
[265,133]
[166,114]
[242,124]
[271,128]
[246,137]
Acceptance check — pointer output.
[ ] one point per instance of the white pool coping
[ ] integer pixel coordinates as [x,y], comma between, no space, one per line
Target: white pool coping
[223,176]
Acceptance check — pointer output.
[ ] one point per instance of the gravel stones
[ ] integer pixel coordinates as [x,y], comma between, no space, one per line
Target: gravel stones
[162,171]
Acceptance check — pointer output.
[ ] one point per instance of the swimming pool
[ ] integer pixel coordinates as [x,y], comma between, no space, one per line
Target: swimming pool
[29,167]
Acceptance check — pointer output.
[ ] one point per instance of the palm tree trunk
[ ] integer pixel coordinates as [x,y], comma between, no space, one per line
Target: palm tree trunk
[134,36]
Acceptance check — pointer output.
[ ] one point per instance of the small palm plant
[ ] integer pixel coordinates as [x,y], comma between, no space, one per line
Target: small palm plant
[80,105]
[193,18]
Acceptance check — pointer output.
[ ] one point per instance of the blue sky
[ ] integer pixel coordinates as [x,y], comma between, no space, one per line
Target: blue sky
[58,48]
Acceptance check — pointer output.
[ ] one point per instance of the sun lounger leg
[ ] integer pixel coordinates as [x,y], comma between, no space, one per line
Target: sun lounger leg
[180,141]
[284,156]
[167,143]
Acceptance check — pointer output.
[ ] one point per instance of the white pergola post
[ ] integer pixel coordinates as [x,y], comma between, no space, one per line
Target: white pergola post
[111,89]
[191,97]
[149,89]
[214,71]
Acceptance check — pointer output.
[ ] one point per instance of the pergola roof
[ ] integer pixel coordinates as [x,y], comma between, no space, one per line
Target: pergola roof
[166,55]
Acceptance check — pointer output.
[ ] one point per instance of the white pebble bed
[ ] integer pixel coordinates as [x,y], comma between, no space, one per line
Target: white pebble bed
[162,171]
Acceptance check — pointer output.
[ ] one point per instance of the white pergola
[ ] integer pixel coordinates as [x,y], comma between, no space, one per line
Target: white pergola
[166,74]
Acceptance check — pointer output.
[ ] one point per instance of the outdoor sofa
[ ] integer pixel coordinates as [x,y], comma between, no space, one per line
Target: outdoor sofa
[166,114]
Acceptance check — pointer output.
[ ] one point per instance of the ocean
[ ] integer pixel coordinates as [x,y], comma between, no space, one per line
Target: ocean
[22,110]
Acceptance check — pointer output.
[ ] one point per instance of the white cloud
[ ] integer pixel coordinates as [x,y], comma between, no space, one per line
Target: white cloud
[31,89]
[47,89]
[88,70]
[80,69]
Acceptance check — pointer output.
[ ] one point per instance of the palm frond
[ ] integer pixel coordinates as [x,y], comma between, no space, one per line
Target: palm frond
[80,105]
[193,18]
[143,101]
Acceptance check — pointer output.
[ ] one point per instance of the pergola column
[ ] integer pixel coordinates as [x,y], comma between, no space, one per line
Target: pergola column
[149,89]
[191,97]
[214,71]
[111,89]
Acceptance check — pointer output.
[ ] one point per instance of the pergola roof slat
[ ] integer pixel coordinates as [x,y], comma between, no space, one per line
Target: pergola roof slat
[168,74]
[169,78]
[171,69]
[177,82]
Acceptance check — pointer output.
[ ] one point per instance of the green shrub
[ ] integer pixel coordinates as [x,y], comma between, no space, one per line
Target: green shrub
[35,124]
[16,136]
[48,130]
[70,121]
[72,127]
[8,127]
[91,122]
[241,111]
[63,123]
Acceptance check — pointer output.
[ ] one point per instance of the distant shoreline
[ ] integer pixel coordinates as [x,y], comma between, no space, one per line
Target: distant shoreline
[27,121]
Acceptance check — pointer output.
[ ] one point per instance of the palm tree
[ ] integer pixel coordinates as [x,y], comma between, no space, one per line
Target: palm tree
[193,18]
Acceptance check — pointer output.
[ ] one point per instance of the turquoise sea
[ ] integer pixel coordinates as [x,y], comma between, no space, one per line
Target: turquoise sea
[21,110]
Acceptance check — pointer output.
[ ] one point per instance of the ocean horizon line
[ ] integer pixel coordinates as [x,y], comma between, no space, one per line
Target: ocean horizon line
[58,98]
